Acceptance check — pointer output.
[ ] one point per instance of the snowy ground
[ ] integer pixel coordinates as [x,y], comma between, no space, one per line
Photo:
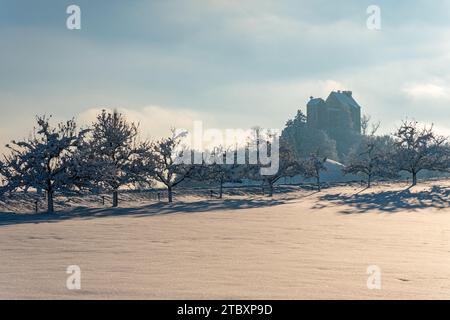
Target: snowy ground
[300,245]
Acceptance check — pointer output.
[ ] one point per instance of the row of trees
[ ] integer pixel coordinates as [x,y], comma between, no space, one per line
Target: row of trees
[108,156]
[105,157]
[410,149]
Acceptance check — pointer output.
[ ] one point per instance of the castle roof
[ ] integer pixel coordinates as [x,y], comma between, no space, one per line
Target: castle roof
[315,101]
[344,98]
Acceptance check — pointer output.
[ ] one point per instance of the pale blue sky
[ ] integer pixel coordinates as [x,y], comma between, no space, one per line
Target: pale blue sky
[233,64]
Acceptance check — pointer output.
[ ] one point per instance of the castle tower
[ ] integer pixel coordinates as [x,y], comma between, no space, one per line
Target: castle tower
[339,111]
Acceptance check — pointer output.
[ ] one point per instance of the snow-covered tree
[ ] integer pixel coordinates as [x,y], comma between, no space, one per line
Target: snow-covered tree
[445,153]
[41,162]
[372,158]
[216,169]
[288,165]
[367,127]
[162,163]
[419,148]
[313,166]
[3,174]
[109,159]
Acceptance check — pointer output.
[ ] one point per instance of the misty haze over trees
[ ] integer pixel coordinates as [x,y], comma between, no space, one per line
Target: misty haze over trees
[108,156]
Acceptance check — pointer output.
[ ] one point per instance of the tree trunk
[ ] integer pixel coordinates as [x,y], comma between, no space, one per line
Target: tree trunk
[169,192]
[369,181]
[50,208]
[115,199]
[270,189]
[318,184]
[221,189]
[414,178]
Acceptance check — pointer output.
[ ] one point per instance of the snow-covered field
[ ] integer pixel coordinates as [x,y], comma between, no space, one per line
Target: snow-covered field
[299,245]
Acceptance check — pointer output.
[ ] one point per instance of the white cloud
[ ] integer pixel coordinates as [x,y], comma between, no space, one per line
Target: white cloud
[154,121]
[230,63]
[445,131]
[426,91]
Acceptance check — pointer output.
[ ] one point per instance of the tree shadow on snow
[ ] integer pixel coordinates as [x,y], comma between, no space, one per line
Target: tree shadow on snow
[159,208]
[388,201]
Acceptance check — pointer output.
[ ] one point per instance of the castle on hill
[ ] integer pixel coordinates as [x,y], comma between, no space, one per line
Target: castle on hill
[339,112]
